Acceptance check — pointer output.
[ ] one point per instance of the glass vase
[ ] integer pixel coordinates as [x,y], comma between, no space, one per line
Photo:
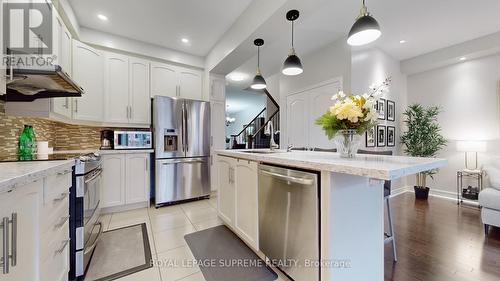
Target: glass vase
[347,142]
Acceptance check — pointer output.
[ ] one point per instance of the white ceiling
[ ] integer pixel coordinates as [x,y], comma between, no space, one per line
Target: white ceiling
[426,25]
[163,22]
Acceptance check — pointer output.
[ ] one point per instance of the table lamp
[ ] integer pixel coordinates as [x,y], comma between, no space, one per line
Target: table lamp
[471,147]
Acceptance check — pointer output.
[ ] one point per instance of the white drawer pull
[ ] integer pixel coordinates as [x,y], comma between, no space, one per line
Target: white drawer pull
[62,222]
[65,243]
[62,197]
[65,172]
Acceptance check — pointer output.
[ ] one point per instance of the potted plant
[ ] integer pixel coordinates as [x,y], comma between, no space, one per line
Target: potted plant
[350,117]
[422,139]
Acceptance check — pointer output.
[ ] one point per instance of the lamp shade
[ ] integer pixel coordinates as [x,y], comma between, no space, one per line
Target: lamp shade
[292,65]
[471,146]
[258,82]
[365,30]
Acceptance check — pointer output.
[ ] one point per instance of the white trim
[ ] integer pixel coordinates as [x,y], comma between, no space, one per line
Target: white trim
[438,193]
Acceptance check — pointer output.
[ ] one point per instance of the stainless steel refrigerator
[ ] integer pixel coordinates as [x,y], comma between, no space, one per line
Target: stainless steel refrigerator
[182,149]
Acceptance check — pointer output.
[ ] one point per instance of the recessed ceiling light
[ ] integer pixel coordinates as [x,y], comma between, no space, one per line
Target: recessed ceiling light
[402,41]
[237,77]
[462,58]
[102,17]
[185,40]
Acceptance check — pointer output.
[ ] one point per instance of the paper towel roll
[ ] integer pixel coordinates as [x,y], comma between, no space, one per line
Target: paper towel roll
[42,147]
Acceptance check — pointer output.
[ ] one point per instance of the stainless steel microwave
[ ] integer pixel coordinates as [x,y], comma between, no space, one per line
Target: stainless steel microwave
[132,140]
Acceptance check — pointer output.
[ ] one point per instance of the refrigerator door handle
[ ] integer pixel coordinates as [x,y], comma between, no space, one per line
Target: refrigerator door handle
[186,136]
[183,113]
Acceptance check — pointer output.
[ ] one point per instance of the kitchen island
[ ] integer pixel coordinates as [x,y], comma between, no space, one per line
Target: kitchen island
[351,203]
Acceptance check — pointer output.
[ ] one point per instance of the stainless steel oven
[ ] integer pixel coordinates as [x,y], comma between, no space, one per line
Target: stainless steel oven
[88,226]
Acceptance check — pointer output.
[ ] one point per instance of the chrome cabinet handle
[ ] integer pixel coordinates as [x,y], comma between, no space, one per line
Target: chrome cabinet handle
[65,243]
[76,106]
[62,222]
[5,256]
[65,172]
[62,197]
[14,240]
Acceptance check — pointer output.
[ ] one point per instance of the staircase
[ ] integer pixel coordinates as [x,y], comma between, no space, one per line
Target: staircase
[253,135]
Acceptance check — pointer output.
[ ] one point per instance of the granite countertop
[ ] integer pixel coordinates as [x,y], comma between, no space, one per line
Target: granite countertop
[20,173]
[372,166]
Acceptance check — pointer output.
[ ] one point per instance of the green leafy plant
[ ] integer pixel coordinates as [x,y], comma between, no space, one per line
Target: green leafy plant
[423,136]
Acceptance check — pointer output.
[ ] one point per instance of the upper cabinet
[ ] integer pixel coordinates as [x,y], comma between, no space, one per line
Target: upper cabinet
[88,71]
[217,88]
[126,89]
[164,80]
[140,101]
[116,77]
[174,81]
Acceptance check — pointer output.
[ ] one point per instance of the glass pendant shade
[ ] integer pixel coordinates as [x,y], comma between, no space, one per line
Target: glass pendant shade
[365,30]
[258,83]
[292,65]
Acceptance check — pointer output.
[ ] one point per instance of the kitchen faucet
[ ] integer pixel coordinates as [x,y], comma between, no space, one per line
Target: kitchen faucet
[269,130]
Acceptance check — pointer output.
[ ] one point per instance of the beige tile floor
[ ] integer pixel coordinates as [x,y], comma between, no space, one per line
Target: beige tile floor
[166,228]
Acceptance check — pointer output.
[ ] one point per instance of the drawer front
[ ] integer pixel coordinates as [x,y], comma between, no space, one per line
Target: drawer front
[56,186]
[56,267]
[54,242]
[53,218]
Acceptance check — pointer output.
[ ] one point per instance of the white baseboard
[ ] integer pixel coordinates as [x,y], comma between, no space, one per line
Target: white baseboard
[433,192]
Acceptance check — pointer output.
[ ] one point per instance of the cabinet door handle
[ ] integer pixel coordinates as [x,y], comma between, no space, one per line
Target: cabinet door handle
[65,172]
[5,258]
[14,240]
[131,116]
[65,243]
[62,197]
[76,106]
[63,221]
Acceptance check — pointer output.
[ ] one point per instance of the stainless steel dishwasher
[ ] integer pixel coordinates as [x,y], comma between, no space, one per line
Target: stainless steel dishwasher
[289,220]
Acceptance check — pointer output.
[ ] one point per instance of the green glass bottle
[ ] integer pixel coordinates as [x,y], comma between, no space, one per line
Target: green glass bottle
[33,141]
[24,149]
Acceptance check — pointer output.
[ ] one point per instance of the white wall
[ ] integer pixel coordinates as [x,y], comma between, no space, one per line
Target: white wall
[469,95]
[244,116]
[331,61]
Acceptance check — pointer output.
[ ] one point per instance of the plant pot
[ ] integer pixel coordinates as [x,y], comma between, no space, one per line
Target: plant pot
[421,193]
[347,143]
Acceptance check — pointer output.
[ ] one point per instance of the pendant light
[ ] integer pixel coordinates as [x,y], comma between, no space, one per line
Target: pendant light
[292,65]
[365,30]
[258,82]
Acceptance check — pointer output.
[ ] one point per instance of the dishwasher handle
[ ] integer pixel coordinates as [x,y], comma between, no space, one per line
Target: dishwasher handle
[303,181]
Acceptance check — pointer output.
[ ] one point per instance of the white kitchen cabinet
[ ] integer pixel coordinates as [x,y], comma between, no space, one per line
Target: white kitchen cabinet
[140,101]
[125,179]
[218,136]
[164,80]
[88,72]
[23,201]
[113,180]
[116,84]
[190,84]
[174,81]
[247,213]
[217,88]
[137,178]
[303,108]
[226,191]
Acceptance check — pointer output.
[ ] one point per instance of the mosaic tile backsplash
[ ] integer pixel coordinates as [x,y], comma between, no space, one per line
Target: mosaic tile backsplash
[59,135]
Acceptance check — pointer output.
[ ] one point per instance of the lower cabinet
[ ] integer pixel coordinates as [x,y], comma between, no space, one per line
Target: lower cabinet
[125,179]
[238,197]
[37,215]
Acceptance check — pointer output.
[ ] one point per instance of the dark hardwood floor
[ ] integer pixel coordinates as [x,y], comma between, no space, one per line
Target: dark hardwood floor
[438,240]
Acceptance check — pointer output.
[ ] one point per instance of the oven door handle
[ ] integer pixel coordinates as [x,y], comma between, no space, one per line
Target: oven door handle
[89,249]
[96,174]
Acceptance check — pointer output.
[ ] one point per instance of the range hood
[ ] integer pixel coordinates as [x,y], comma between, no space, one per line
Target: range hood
[31,84]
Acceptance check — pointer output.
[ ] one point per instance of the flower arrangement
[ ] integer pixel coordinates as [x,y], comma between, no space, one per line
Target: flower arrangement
[353,112]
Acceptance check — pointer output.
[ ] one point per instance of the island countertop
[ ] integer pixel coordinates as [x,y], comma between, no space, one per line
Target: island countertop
[371,166]
[20,173]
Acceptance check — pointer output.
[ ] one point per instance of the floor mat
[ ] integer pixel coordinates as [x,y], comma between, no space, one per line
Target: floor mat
[222,256]
[120,252]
